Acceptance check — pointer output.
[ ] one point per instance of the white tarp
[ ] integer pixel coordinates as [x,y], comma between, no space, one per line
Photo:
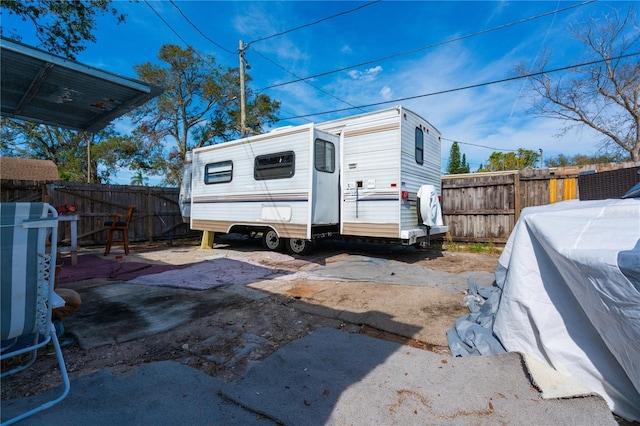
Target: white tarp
[570,279]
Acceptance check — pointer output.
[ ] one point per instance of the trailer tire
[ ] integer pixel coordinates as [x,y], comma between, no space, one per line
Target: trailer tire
[299,246]
[272,241]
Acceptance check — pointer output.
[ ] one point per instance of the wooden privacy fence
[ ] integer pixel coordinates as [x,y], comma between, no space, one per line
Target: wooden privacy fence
[480,207]
[484,207]
[157,215]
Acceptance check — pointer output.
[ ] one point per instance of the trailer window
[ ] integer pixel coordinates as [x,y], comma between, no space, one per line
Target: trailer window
[419,146]
[325,153]
[280,165]
[220,172]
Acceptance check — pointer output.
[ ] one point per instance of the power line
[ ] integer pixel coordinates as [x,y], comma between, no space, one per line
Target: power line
[264,38]
[478,145]
[314,23]
[198,29]
[312,85]
[195,51]
[386,58]
[472,86]
[249,45]
[165,22]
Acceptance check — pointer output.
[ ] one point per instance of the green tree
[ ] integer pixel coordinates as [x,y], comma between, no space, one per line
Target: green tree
[464,165]
[62,27]
[560,161]
[602,95]
[580,160]
[139,179]
[74,151]
[500,161]
[198,107]
[457,164]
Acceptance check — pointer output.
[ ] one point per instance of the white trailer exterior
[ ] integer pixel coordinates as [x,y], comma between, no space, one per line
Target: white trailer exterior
[282,184]
[358,177]
[386,157]
[184,200]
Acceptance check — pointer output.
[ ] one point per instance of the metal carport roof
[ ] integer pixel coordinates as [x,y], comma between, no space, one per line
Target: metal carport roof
[44,88]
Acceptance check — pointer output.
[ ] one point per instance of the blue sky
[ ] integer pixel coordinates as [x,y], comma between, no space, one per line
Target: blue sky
[483,120]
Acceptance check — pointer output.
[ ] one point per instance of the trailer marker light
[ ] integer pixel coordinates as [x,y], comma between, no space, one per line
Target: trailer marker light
[393,185]
[404,194]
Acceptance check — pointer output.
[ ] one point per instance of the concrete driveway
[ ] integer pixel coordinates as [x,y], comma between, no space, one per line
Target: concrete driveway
[323,372]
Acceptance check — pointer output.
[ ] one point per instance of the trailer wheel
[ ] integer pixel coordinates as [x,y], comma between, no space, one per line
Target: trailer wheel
[271,240]
[299,246]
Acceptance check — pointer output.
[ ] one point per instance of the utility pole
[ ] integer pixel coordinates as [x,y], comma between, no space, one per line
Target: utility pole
[541,159]
[88,158]
[243,110]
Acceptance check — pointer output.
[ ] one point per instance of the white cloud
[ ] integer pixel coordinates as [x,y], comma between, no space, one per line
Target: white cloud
[494,116]
[386,93]
[255,21]
[374,71]
[369,74]
[481,119]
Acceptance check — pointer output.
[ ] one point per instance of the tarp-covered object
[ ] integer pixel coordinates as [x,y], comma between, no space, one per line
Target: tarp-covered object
[473,334]
[570,279]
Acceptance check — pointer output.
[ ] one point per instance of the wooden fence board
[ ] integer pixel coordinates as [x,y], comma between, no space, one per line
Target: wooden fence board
[157,215]
[481,207]
[484,207]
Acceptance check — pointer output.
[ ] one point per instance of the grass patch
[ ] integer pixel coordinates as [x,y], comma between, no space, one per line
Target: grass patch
[486,248]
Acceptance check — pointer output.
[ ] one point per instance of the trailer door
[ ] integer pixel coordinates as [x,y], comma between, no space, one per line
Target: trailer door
[325,193]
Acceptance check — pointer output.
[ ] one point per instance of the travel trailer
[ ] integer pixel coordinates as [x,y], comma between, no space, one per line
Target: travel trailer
[374,176]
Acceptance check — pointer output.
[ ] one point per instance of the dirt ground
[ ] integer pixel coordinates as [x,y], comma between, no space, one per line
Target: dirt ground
[277,318]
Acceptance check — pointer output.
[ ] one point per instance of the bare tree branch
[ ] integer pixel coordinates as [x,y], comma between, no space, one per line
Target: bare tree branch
[604,95]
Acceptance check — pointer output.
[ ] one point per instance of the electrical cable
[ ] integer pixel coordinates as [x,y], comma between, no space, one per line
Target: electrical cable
[186,18]
[472,86]
[314,23]
[166,23]
[386,58]
[249,45]
[535,58]
[195,51]
[198,29]
[479,146]
[315,87]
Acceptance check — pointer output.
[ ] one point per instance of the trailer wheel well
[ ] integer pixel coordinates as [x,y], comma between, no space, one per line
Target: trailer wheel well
[246,230]
[271,240]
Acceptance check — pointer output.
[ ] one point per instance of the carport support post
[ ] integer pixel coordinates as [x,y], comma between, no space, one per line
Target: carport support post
[88,159]
[207,240]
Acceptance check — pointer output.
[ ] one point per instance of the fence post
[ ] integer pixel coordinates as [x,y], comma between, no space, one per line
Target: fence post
[516,197]
[46,198]
[149,215]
